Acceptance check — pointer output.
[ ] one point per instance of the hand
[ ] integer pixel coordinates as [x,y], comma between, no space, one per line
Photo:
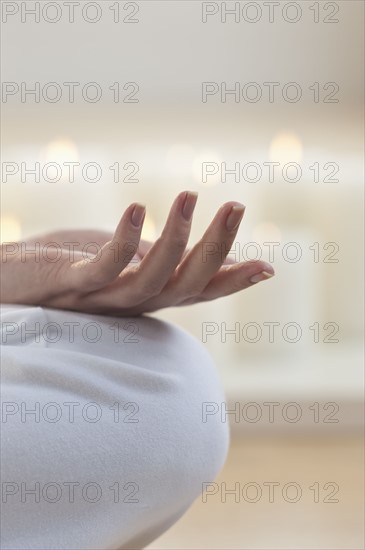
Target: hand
[127,276]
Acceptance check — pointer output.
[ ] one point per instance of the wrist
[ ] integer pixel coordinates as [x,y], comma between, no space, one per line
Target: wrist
[10,257]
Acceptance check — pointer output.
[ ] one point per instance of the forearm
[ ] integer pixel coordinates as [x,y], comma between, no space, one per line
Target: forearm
[27,276]
[27,266]
[11,275]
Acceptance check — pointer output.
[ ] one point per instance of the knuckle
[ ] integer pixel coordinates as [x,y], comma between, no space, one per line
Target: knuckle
[177,242]
[143,292]
[151,288]
[100,277]
[180,244]
[191,292]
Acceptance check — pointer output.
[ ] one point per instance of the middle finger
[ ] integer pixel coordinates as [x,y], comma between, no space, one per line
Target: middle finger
[202,262]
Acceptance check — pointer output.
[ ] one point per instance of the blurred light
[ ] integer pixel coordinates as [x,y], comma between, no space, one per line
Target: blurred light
[60,151]
[178,160]
[149,229]
[286,147]
[266,232]
[10,229]
[200,163]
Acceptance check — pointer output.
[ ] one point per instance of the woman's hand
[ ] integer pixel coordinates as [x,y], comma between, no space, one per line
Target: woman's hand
[127,276]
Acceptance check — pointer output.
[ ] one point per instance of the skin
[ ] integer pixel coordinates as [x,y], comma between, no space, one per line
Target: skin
[128,276]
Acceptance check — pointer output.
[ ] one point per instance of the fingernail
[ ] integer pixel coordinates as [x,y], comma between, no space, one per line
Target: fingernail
[235,216]
[138,214]
[261,277]
[189,205]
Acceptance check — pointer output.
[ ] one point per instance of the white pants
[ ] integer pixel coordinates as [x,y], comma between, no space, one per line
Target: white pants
[105,443]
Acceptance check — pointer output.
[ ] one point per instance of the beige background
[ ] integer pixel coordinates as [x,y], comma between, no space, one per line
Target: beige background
[169,133]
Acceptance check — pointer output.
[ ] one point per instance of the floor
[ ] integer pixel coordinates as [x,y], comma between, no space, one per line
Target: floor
[305,515]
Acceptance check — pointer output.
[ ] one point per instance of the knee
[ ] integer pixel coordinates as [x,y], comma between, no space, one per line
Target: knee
[194,443]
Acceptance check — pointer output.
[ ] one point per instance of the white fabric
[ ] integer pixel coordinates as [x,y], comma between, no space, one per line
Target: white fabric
[159,451]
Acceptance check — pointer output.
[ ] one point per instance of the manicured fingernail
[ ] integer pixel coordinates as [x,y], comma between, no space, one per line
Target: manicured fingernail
[138,214]
[261,277]
[235,216]
[189,205]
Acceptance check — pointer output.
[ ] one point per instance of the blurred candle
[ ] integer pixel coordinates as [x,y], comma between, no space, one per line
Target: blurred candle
[277,314]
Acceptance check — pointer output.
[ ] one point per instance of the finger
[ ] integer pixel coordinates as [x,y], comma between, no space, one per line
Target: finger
[207,256]
[229,280]
[142,282]
[234,278]
[94,273]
